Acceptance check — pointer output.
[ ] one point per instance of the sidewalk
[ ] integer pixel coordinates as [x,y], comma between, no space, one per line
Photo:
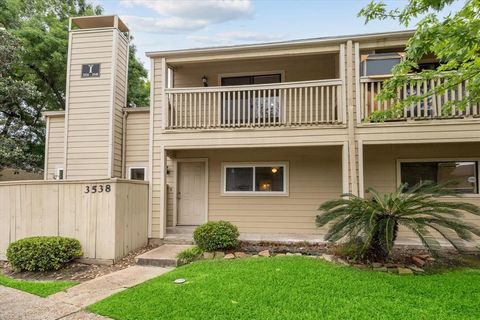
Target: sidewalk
[68,305]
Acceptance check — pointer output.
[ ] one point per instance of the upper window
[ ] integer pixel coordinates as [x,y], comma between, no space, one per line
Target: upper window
[462,174]
[137,174]
[379,63]
[258,178]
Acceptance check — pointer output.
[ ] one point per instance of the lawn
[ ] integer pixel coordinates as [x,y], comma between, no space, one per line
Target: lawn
[39,288]
[295,288]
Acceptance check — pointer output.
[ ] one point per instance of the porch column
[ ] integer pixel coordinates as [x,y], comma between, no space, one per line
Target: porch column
[163,193]
[361,179]
[345,168]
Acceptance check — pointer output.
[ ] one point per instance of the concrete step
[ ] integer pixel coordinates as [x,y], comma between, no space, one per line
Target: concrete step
[163,256]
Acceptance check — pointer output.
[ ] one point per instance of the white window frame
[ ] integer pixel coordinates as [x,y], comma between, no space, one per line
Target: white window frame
[129,170]
[477,160]
[251,74]
[57,174]
[283,164]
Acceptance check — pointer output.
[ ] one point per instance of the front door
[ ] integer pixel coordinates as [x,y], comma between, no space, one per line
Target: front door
[191,193]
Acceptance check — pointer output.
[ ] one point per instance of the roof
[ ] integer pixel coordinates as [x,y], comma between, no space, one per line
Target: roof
[279,44]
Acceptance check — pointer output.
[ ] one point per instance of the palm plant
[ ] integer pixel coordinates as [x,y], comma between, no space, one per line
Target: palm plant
[375,221]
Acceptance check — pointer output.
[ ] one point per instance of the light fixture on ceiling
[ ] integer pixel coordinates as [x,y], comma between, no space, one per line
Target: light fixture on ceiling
[274,170]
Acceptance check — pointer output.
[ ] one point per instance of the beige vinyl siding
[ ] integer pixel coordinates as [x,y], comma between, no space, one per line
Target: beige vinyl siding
[380,168]
[297,68]
[315,175]
[137,139]
[120,93]
[56,147]
[88,137]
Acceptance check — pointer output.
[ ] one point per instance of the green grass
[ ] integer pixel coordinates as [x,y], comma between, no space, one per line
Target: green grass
[39,288]
[295,288]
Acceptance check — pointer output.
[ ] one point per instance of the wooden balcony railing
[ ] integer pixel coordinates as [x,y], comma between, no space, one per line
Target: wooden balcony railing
[429,108]
[308,103]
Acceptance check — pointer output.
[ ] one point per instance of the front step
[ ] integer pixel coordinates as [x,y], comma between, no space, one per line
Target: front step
[163,256]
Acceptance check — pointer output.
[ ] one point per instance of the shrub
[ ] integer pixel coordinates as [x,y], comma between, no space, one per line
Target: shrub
[42,253]
[190,255]
[216,235]
[375,221]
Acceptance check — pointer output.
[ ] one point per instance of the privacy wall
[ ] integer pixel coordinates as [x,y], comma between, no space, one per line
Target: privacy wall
[108,217]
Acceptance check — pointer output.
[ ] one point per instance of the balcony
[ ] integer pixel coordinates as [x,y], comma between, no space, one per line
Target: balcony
[287,104]
[431,108]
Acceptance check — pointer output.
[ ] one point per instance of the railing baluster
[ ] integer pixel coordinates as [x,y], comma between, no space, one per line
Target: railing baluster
[290,106]
[243,108]
[316,104]
[248,108]
[269,107]
[264,95]
[328,103]
[322,104]
[254,108]
[301,106]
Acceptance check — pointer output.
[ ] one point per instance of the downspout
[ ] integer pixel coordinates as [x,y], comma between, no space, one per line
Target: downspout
[124,142]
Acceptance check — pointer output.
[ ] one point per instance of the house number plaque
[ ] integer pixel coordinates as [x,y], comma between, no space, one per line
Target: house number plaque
[91,70]
[98,188]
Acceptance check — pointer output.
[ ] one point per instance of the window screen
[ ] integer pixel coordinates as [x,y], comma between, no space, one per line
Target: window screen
[255,178]
[137,173]
[462,174]
[239,179]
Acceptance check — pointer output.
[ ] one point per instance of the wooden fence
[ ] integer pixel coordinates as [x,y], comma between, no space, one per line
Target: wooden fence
[108,217]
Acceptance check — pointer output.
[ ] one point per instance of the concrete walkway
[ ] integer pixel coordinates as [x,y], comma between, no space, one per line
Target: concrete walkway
[19,305]
[163,256]
[89,292]
[68,305]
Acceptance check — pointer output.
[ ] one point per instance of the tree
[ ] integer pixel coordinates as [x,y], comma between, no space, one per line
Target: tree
[40,28]
[21,133]
[138,84]
[453,40]
[371,225]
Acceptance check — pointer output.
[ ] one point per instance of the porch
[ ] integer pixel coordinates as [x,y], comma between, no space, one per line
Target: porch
[386,166]
[266,192]
[301,90]
[430,108]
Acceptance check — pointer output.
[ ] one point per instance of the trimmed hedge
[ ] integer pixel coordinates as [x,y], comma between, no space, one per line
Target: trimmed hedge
[42,253]
[216,235]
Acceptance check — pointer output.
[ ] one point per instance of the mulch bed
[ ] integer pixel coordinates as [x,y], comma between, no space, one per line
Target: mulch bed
[401,255]
[76,271]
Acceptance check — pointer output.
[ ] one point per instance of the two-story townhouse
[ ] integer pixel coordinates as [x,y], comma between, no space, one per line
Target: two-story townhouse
[259,135]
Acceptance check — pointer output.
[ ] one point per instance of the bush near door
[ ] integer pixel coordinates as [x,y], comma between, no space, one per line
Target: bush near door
[216,235]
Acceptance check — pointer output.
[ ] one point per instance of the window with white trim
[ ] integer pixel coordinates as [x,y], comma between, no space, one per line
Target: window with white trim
[258,178]
[137,173]
[462,173]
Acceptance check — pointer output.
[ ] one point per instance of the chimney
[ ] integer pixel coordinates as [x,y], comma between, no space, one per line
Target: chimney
[96,93]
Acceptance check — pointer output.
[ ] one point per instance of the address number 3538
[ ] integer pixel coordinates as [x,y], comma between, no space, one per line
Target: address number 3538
[98,188]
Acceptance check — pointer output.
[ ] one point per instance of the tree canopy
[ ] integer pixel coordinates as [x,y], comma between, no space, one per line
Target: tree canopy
[35,77]
[454,40]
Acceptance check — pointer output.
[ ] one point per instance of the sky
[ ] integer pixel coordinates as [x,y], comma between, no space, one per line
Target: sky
[179,24]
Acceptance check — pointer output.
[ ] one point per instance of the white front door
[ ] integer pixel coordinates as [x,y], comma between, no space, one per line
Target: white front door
[191,193]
